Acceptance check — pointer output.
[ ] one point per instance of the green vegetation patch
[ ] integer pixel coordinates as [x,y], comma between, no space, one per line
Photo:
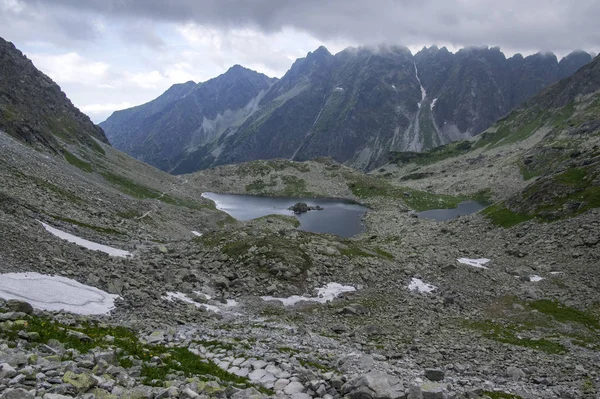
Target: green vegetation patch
[501,216]
[507,333]
[366,187]
[173,358]
[565,314]
[103,230]
[260,185]
[133,189]
[294,187]
[75,161]
[432,156]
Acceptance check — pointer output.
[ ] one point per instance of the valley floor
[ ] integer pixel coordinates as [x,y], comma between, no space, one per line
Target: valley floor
[498,331]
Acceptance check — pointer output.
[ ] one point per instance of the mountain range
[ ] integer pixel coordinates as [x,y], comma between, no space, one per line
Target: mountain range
[355,107]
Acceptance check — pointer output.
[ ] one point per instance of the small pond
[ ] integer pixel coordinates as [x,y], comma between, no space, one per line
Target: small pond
[339,217]
[464,208]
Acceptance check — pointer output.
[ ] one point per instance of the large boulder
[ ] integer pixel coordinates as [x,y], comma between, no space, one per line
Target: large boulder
[374,384]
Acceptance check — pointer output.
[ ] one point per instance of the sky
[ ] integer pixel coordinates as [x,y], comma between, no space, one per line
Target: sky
[114,54]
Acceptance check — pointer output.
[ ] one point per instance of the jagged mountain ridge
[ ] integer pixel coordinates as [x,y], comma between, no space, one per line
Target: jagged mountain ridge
[354,106]
[35,110]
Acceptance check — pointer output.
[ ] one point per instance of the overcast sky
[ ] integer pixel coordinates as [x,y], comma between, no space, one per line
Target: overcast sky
[113,54]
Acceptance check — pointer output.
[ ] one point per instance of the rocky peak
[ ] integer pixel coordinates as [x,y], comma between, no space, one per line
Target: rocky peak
[572,63]
[35,110]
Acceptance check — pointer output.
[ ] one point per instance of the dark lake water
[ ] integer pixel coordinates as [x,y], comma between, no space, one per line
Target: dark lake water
[464,208]
[338,217]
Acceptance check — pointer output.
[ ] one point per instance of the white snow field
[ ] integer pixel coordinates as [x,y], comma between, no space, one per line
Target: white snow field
[171,296]
[55,293]
[419,285]
[324,295]
[479,263]
[85,243]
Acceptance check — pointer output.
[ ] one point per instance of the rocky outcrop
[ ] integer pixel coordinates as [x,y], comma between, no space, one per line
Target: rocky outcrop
[35,110]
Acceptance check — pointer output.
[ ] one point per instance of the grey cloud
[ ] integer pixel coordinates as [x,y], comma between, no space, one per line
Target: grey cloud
[517,24]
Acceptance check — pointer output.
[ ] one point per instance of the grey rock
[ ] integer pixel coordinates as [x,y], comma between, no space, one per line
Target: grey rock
[18,393]
[294,387]
[515,373]
[7,371]
[434,374]
[19,306]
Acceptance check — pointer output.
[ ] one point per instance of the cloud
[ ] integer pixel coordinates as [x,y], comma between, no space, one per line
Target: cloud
[518,24]
[72,68]
[102,109]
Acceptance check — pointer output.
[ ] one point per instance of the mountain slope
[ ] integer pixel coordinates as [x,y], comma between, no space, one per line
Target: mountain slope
[186,116]
[35,110]
[544,155]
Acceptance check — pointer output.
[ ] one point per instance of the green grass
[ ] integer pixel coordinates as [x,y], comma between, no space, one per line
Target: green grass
[432,156]
[508,334]
[294,187]
[103,230]
[260,185]
[73,160]
[565,314]
[135,190]
[366,187]
[384,254]
[129,187]
[571,177]
[501,216]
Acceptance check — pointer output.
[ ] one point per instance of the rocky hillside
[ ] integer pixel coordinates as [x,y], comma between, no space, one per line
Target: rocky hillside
[547,151]
[186,117]
[353,106]
[35,110]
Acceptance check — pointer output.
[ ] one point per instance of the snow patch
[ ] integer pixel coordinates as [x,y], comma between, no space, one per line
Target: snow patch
[324,295]
[171,296]
[85,243]
[338,89]
[555,273]
[196,234]
[394,87]
[479,263]
[535,278]
[55,293]
[419,285]
[433,103]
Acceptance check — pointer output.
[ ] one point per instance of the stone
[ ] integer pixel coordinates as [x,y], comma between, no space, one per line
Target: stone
[515,373]
[19,306]
[301,395]
[79,335]
[56,396]
[7,371]
[434,374]
[382,385]
[18,393]
[139,392]
[256,375]
[248,393]
[339,328]
[82,382]
[155,337]
[294,387]
[109,357]
[281,384]
[432,390]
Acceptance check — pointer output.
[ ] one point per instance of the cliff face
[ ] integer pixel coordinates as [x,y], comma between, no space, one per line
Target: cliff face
[34,109]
